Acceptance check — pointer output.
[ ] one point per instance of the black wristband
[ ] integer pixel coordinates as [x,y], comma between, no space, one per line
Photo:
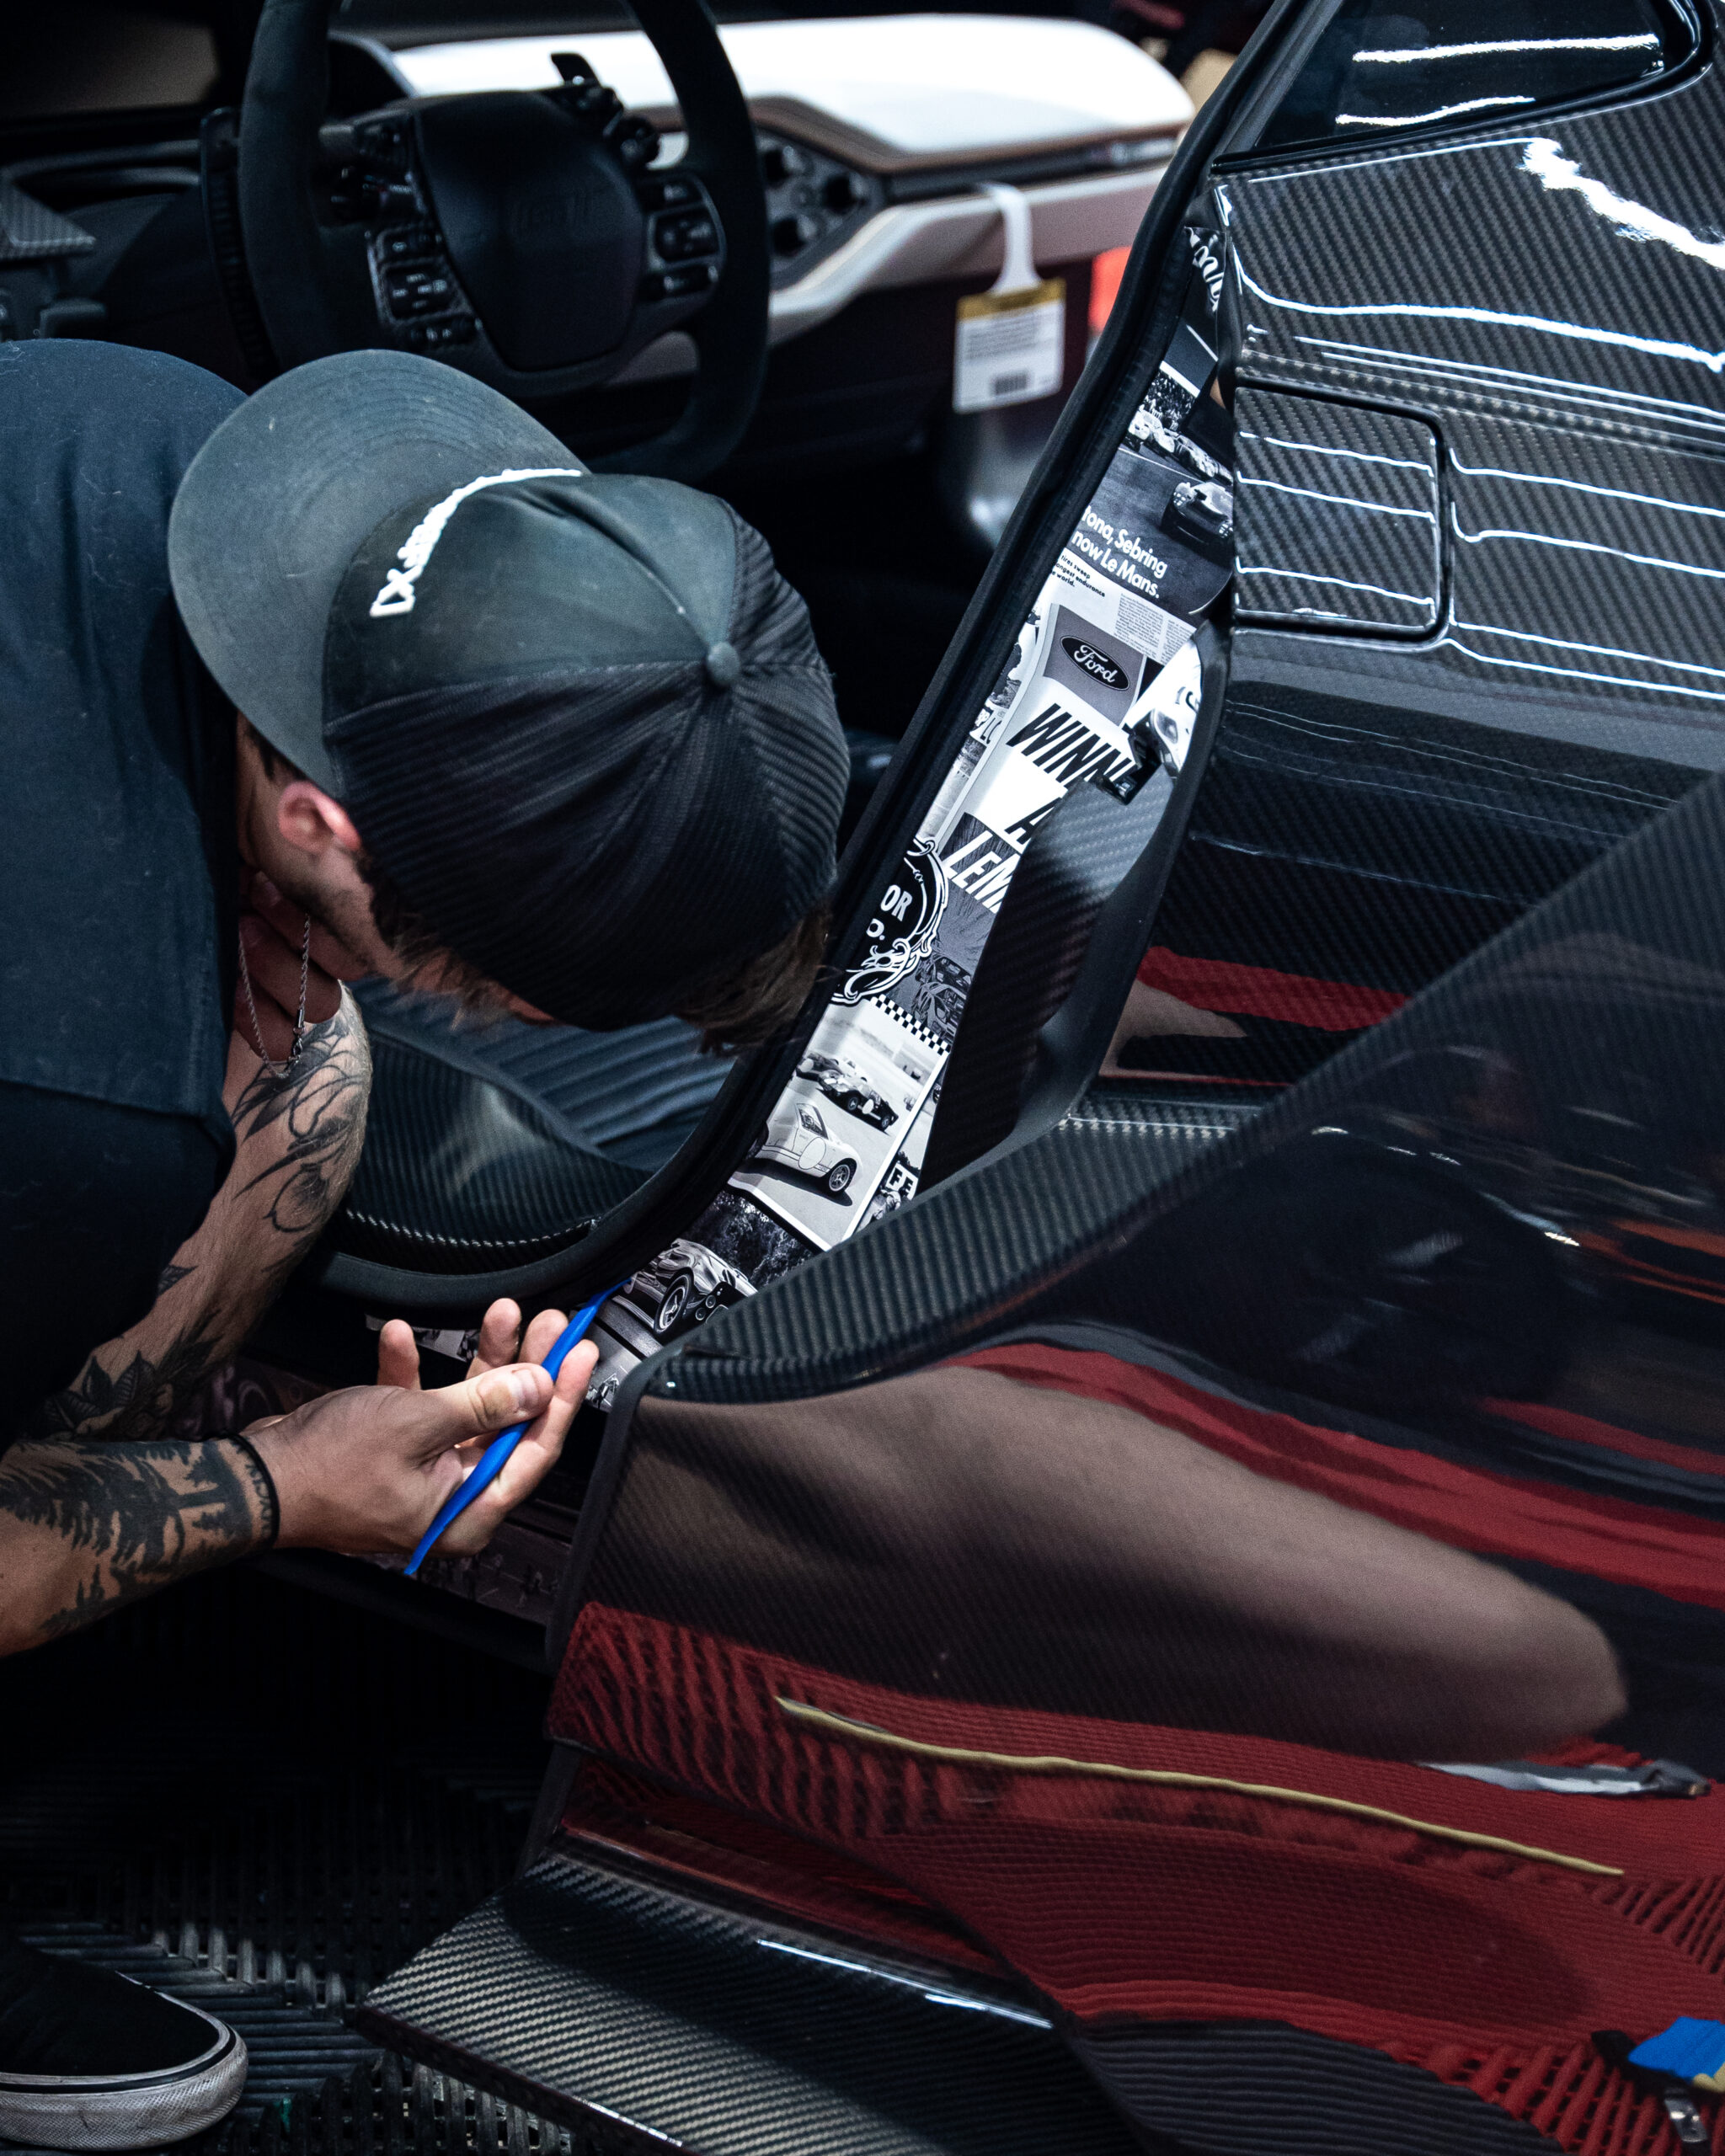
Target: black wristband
[272,1508]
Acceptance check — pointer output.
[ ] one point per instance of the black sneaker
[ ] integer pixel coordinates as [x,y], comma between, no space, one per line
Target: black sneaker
[91,2060]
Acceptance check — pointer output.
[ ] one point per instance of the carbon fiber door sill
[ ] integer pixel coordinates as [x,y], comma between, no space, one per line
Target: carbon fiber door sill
[589,1994]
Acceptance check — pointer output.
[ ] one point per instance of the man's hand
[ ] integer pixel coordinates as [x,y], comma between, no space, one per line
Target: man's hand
[365,1470]
[272,930]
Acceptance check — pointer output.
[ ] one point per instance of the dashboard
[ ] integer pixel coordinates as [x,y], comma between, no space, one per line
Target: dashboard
[880,137]
[875,132]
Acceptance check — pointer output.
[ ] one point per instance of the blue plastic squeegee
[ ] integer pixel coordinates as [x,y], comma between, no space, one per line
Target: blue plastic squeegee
[489,1466]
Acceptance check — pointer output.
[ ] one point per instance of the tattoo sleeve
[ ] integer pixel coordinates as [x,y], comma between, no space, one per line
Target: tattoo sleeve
[308,1127]
[117,1522]
[298,1142]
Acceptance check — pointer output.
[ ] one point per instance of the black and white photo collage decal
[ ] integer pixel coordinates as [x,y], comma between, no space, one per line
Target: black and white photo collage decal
[1099,689]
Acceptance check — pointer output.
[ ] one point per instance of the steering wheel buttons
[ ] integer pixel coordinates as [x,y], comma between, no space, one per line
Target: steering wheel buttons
[384,141]
[692,233]
[634,141]
[593,103]
[784,162]
[432,336]
[405,243]
[671,193]
[429,290]
[677,284]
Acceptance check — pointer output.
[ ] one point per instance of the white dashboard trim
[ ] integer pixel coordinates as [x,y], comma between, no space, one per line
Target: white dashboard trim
[926,87]
[959,236]
[927,242]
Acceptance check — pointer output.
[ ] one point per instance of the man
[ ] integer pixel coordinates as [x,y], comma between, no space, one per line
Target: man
[474,718]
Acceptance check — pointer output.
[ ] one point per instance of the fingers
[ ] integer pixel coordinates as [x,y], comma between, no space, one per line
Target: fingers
[532,1459]
[329,954]
[499,1331]
[478,1407]
[398,1356]
[543,1335]
[273,963]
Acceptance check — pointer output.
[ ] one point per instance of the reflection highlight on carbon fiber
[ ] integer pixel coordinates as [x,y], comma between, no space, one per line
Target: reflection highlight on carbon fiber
[1480,49]
[1559,174]
[1423,119]
[1665,347]
[882,1974]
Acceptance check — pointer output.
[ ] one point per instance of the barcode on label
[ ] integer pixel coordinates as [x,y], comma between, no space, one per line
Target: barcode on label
[1009,347]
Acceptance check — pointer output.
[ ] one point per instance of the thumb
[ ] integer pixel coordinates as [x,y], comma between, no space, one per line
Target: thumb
[477,1407]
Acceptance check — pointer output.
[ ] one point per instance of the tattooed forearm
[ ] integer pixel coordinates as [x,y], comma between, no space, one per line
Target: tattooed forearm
[85,1527]
[299,1139]
[124,1397]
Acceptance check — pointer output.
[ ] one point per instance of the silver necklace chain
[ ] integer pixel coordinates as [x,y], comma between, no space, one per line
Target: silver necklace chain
[279,1069]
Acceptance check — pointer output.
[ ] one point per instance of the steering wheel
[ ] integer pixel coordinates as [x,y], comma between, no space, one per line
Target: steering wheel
[521,235]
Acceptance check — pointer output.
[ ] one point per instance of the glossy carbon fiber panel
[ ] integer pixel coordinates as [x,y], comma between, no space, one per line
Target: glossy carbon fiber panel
[954,1265]
[1543,267]
[1030,961]
[1344,851]
[1336,517]
[1542,301]
[1622,966]
[459,1174]
[1257,2088]
[601,1994]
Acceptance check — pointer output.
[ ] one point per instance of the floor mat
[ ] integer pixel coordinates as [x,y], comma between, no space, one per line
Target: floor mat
[253,1797]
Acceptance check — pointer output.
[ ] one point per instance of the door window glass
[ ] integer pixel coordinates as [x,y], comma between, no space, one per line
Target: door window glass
[1382,67]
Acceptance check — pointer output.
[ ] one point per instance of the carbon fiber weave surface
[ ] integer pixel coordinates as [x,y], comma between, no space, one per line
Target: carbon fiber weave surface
[30,231]
[1021,1230]
[1586,545]
[1322,489]
[1030,961]
[596,1992]
[1537,306]
[958,1263]
[616,1092]
[459,1173]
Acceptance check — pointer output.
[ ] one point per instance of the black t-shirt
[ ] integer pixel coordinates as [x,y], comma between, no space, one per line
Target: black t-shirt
[118,876]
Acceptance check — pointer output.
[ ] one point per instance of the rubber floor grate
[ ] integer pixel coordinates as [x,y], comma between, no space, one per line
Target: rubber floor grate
[247,1794]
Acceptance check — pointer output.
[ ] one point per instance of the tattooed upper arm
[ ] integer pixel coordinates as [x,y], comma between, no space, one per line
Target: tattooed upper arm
[299,1136]
[87,1526]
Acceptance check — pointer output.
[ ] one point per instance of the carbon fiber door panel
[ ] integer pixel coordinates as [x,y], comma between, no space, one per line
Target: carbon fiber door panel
[1336,517]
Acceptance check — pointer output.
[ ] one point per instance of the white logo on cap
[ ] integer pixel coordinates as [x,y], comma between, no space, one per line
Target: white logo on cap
[397,594]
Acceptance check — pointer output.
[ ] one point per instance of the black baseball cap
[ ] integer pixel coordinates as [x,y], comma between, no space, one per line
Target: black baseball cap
[579,718]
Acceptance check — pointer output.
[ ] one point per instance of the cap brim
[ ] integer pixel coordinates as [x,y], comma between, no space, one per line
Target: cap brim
[277,501]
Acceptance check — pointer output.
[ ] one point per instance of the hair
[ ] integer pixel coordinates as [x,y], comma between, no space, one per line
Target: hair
[413,940]
[736,1005]
[741,1006]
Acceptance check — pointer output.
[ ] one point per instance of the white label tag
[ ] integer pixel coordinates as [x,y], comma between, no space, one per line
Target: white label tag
[1010,346]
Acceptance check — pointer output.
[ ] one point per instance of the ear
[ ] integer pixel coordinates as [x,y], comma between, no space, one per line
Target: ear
[314,821]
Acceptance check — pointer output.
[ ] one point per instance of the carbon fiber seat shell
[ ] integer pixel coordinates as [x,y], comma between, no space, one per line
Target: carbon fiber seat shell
[494,1144]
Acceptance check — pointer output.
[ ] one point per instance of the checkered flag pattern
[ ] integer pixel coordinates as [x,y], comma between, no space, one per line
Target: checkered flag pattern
[924,1035]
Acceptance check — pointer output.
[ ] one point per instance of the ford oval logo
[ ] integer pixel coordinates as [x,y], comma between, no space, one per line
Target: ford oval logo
[1094,662]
